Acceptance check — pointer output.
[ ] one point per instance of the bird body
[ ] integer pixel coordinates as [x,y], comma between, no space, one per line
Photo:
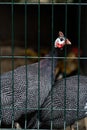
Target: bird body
[25,88]
[67,104]
[19,83]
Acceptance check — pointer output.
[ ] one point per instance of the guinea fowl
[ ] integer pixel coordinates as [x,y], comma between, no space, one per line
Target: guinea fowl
[74,101]
[17,84]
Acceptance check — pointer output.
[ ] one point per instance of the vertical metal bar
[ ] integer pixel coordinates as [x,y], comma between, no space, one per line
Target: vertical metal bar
[0,89]
[38,63]
[12,5]
[65,67]
[26,64]
[79,24]
[52,29]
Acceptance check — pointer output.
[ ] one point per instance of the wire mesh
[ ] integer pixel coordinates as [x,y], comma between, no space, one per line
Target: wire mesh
[38,64]
[53,4]
[12,64]
[78,92]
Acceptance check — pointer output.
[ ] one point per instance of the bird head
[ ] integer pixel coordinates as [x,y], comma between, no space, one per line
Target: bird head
[61,41]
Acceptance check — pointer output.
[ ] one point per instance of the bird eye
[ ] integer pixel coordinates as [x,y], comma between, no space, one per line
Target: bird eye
[61,39]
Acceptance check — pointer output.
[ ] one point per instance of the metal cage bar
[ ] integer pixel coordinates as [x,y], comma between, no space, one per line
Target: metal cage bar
[38,65]
[26,24]
[12,7]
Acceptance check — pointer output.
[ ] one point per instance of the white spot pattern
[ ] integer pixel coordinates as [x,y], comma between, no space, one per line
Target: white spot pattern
[85,109]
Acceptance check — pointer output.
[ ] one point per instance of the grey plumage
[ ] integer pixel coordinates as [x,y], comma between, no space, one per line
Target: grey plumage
[19,88]
[71,105]
[24,90]
[57,93]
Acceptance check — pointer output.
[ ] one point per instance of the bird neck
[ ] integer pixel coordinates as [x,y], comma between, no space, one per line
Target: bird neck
[53,61]
[54,55]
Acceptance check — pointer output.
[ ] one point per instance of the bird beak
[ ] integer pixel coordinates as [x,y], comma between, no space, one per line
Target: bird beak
[67,42]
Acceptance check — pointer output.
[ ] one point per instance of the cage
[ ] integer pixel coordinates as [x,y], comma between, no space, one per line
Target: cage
[28,30]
